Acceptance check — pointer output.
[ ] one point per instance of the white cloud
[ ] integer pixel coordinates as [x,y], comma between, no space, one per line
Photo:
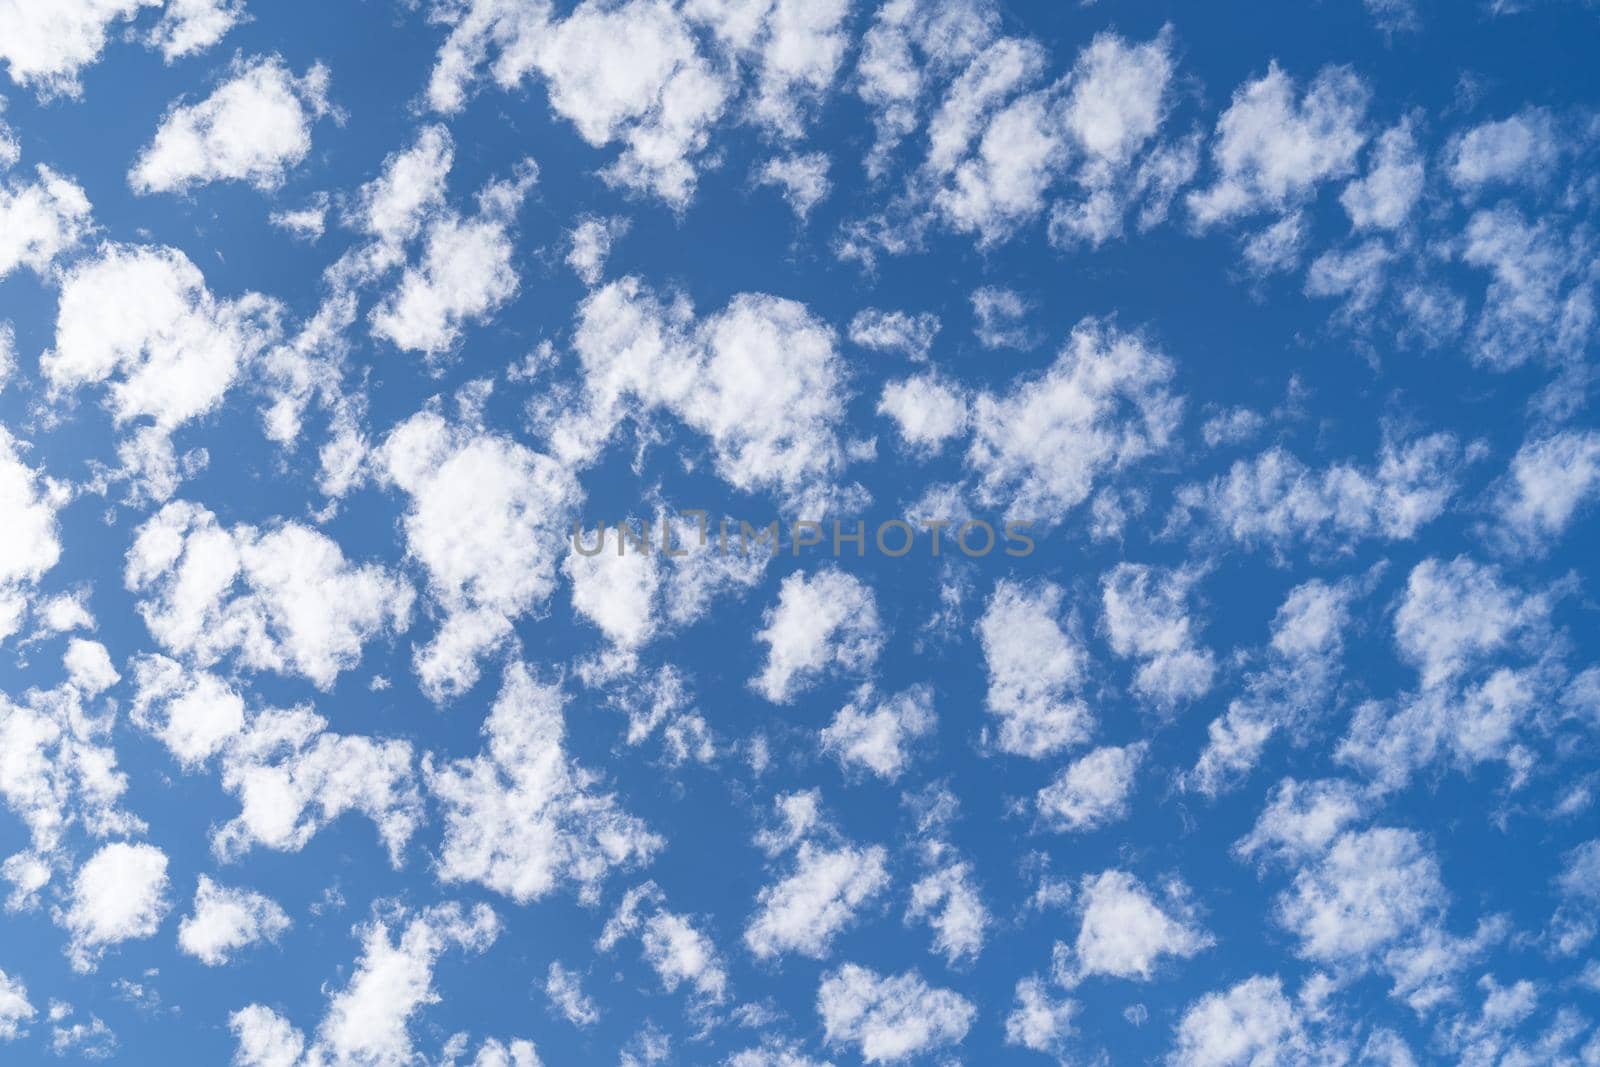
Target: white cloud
[1125,933]
[818,898]
[226,920]
[895,331]
[15,1010]
[1301,819]
[801,177]
[928,410]
[1275,499]
[487,518]
[794,48]
[1384,198]
[1293,687]
[1455,613]
[1540,302]
[523,818]
[253,128]
[823,622]
[591,240]
[191,26]
[368,1021]
[300,607]
[1272,150]
[1035,670]
[1147,619]
[293,777]
[1039,1023]
[465,273]
[304,223]
[142,320]
[119,894]
[629,74]
[1520,150]
[30,543]
[1100,408]
[567,997]
[761,379]
[1251,1024]
[46,46]
[1550,482]
[890,1018]
[1000,313]
[195,714]
[672,945]
[1372,889]
[1093,791]
[949,901]
[39,220]
[878,740]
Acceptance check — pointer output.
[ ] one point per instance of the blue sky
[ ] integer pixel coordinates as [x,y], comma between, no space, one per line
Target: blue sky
[322,325]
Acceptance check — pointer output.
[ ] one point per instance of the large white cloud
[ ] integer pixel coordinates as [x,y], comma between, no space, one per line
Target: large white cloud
[119,894]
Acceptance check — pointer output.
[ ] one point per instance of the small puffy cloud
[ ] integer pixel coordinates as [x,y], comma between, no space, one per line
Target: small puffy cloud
[1125,933]
[226,920]
[1039,1022]
[195,714]
[1101,407]
[890,1018]
[761,379]
[895,331]
[1272,150]
[15,1010]
[304,223]
[1520,150]
[253,128]
[565,991]
[283,599]
[927,410]
[486,518]
[368,1021]
[674,947]
[1371,890]
[879,739]
[805,909]
[1457,612]
[464,275]
[1301,819]
[1093,791]
[1147,619]
[119,894]
[293,777]
[949,901]
[1000,313]
[1383,198]
[802,179]
[1251,1023]
[1550,482]
[30,543]
[191,26]
[46,46]
[823,622]
[522,818]
[1035,670]
[40,219]
[589,245]
[142,321]
[1276,500]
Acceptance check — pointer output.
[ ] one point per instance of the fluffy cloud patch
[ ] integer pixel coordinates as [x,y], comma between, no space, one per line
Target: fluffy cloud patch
[300,607]
[1093,791]
[39,220]
[895,331]
[522,818]
[15,1010]
[119,894]
[823,622]
[1100,408]
[253,128]
[1125,933]
[1035,670]
[1550,482]
[226,920]
[825,886]
[878,740]
[890,1018]
[1147,619]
